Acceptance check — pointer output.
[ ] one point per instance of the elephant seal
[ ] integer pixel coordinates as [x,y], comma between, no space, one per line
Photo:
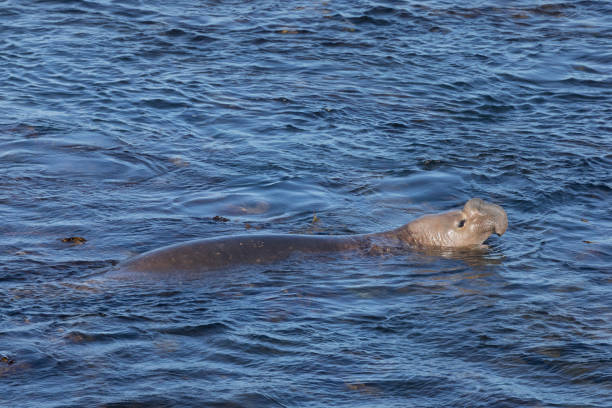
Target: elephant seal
[470,226]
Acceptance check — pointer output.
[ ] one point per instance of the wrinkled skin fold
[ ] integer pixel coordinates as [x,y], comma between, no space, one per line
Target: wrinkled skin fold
[469,226]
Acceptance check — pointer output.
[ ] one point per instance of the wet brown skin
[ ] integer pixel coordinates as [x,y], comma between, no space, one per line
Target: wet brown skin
[470,226]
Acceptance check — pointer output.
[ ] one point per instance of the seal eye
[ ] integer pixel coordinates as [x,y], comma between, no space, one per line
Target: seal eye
[461,224]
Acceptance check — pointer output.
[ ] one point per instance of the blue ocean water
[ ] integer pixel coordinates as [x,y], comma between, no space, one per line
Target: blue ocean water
[134,123]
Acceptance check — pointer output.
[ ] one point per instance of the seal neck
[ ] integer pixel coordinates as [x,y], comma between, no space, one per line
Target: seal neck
[400,236]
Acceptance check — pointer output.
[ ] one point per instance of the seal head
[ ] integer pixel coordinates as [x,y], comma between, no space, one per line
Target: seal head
[471,225]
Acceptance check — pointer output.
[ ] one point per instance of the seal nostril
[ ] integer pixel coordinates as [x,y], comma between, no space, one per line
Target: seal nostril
[461,224]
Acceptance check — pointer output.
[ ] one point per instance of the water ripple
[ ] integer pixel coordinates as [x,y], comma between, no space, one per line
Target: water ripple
[133,125]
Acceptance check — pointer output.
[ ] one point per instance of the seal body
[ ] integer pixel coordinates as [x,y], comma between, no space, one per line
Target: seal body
[471,225]
[216,253]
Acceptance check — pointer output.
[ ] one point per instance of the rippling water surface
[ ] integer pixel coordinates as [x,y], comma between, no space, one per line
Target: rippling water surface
[133,123]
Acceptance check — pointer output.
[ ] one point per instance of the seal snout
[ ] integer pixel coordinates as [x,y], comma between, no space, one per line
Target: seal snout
[501,222]
[498,216]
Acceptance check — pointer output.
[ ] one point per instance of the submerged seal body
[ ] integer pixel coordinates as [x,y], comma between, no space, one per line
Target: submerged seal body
[470,226]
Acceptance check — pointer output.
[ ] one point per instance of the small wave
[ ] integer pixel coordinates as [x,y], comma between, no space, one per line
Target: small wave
[196,330]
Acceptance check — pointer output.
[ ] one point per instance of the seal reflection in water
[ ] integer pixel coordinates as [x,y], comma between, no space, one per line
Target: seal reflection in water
[469,226]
